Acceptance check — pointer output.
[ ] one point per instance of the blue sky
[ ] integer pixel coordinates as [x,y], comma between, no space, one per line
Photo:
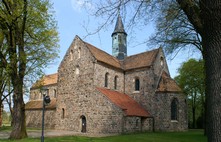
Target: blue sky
[72,18]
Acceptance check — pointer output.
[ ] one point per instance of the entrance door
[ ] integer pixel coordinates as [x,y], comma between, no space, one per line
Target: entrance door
[83,119]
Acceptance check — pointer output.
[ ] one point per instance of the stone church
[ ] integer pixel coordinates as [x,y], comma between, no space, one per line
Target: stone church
[98,93]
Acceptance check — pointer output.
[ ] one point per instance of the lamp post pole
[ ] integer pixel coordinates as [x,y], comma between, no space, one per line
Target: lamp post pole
[45,101]
[43,115]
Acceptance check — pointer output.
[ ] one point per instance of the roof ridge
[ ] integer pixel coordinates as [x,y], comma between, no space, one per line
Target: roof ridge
[157,49]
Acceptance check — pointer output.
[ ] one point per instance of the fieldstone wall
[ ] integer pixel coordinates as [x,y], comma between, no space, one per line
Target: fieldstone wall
[78,98]
[160,64]
[145,94]
[35,94]
[101,115]
[162,116]
[100,71]
[34,118]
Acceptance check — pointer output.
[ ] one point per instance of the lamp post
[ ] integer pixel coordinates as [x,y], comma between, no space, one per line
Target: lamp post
[45,101]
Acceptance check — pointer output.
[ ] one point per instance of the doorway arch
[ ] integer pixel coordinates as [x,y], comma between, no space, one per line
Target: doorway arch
[83,124]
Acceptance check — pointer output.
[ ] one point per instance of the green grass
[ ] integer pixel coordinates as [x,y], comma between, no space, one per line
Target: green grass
[190,136]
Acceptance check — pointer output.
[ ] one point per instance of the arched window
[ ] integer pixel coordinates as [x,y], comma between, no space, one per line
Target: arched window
[137,122]
[55,93]
[106,80]
[79,52]
[77,71]
[161,61]
[174,109]
[137,84]
[71,55]
[84,124]
[115,82]
[63,113]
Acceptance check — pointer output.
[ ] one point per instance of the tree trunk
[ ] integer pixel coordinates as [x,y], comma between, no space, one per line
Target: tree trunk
[18,114]
[0,113]
[212,55]
[194,117]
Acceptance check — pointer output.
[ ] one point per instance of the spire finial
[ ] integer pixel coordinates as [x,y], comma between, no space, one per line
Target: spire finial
[118,10]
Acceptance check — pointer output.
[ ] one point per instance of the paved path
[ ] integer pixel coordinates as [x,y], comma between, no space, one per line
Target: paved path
[50,133]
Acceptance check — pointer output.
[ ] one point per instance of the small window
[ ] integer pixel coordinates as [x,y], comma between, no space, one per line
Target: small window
[115,82]
[71,55]
[79,52]
[161,61]
[55,93]
[137,84]
[106,80]
[63,113]
[174,109]
[77,71]
[137,122]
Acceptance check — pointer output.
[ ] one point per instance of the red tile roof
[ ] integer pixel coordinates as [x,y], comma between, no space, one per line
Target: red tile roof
[141,60]
[46,80]
[167,84]
[126,103]
[103,56]
[37,105]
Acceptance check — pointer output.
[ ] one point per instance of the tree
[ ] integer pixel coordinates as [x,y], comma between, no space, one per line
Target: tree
[204,16]
[191,79]
[29,43]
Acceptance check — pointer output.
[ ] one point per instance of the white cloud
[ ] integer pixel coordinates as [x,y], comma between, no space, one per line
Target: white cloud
[78,5]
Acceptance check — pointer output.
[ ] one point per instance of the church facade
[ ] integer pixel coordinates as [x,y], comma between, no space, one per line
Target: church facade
[97,93]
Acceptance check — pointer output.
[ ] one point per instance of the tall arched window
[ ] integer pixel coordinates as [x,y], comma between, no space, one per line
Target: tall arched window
[77,71]
[174,109]
[106,80]
[161,61]
[115,82]
[63,113]
[79,52]
[137,84]
[71,55]
[55,93]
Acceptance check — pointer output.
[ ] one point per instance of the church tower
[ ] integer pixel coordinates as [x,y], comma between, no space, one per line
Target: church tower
[119,40]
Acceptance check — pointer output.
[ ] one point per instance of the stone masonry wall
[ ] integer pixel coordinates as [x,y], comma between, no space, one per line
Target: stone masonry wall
[35,94]
[101,70]
[34,118]
[75,84]
[163,120]
[78,97]
[101,115]
[145,94]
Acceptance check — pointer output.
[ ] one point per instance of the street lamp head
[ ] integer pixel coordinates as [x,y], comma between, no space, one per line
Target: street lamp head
[47,100]
[44,91]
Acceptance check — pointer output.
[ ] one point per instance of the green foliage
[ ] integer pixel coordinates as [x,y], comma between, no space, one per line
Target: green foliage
[28,43]
[174,32]
[191,79]
[190,136]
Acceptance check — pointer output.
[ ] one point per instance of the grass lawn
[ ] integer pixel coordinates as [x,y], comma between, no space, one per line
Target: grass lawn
[190,136]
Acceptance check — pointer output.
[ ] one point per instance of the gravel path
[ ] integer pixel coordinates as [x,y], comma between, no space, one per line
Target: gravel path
[52,133]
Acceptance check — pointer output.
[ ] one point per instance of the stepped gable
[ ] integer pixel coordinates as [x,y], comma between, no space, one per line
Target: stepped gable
[141,60]
[103,56]
[37,105]
[46,80]
[167,84]
[126,103]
